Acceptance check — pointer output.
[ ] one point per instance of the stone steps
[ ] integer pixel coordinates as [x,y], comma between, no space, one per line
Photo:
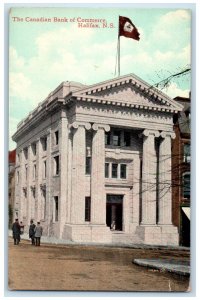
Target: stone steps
[125,238]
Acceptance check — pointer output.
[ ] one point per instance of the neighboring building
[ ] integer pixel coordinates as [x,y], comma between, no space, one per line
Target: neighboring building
[11,185]
[94,163]
[181,171]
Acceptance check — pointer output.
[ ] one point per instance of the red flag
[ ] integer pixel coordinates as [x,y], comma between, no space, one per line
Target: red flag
[128,29]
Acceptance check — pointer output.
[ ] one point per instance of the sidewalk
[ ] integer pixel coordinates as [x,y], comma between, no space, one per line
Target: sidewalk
[56,241]
[170,265]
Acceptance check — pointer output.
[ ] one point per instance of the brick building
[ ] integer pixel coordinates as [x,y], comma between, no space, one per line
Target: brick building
[94,163]
[181,171]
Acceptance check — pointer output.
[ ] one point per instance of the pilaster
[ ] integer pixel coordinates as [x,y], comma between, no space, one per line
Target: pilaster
[98,197]
[165,180]
[78,172]
[149,169]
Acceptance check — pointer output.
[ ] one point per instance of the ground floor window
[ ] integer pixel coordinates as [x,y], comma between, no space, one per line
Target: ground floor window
[87,208]
[55,209]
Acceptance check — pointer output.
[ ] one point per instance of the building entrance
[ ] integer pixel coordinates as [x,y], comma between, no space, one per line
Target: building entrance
[114,208]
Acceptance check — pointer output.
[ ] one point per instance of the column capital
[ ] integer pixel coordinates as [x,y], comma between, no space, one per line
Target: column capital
[148,132]
[76,124]
[96,126]
[171,134]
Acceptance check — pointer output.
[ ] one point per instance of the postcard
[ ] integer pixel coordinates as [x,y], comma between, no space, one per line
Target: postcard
[99,149]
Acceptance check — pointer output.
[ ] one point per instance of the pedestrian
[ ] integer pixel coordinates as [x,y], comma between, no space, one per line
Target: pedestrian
[21,228]
[38,234]
[16,232]
[32,232]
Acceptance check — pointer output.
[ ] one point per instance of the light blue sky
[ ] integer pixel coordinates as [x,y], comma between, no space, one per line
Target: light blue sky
[42,55]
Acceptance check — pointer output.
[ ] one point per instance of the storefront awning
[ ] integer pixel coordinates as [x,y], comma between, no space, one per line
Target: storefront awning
[186,211]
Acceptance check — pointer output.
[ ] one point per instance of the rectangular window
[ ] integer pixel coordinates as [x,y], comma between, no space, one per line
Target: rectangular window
[116,138]
[34,172]
[26,153]
[57,167]
[114,170]
[186,185]
[45,169]
[88,166]
[87,208]
[17,176]
[186,153]
[44,143]
[127,138]
[106,170]
[56,208]
[123,171]
[56,137]
[107,138]
[26,172]
[34,148]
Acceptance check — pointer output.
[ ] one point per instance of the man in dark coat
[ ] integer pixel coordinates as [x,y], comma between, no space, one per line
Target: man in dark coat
[16,232]
[32,232]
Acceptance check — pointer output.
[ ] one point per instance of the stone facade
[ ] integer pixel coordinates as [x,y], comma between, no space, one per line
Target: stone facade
[94,163]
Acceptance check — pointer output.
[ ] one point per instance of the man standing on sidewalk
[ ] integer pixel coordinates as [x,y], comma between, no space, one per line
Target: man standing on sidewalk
[16,232]
[38,234]
[32,232]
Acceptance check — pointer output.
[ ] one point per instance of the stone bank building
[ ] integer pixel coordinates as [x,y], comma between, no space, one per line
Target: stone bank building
[93,163]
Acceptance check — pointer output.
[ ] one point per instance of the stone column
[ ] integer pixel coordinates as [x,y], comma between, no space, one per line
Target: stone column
[63,145]
[98,197]
[78,173]
[165,180]
[38,178]
[29,179]
[149,185]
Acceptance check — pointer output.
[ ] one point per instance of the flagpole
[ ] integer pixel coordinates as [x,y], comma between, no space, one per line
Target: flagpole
[118,55]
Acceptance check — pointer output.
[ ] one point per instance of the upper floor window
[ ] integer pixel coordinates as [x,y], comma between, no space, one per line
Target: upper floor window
[44,169]
[34,171]
[186,185]
[123,171]
[26,153]
[56,137]
[26,172]
[57,166]
[186,153]
[17,176]
[114,170]
[34,148]
[107,138]
[116,138]
[106,170]
[44,143]
[127,138]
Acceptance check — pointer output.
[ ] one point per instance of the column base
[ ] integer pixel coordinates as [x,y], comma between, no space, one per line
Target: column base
[165,235]
[87,233]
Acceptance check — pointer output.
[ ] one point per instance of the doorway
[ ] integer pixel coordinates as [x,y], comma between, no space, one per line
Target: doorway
[114,211]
